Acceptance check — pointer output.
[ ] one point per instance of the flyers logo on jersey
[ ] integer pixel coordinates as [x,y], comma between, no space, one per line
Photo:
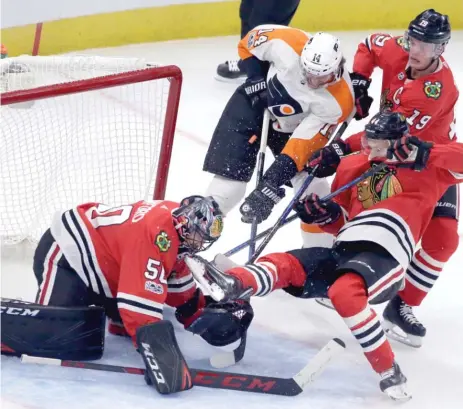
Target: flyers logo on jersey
[432,89]
[163,241]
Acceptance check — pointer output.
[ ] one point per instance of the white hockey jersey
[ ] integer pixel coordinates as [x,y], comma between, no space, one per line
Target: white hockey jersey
[308,114]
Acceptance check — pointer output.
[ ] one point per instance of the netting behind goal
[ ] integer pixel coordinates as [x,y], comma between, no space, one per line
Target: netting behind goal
[79,129]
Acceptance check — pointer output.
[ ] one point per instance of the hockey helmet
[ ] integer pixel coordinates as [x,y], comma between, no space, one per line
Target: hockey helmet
[430,30]
[321,60]
[383,128]
[199,222]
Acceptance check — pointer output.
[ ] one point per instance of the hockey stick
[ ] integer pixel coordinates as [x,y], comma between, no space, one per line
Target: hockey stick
[297,197]
[229,358]
[353,182]
[260,173]
[226,380]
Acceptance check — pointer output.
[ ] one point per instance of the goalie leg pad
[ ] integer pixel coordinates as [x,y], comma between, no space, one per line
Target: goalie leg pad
[166,367]
[69,333]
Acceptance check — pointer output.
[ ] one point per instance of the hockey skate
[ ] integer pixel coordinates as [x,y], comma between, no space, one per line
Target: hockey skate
[219,285]
[399,315]
[394,384]
[230,72]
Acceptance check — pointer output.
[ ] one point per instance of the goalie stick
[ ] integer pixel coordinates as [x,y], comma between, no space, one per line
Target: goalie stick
[226,380]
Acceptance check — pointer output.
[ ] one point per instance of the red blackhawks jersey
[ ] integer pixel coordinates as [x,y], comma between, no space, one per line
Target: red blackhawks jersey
[393,207]
[127,253]
[427,103]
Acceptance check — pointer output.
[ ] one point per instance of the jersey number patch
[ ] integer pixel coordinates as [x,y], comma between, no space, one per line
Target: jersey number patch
[103,215]
[155,270]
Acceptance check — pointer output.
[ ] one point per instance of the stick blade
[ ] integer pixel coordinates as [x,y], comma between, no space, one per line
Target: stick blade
[318,363]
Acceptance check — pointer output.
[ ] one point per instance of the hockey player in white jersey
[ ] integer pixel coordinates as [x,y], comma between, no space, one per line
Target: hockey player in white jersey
[302,81]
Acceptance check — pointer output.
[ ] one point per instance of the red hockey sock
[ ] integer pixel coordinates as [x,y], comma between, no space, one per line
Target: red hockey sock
[269,273]
[439,242]
[349,297]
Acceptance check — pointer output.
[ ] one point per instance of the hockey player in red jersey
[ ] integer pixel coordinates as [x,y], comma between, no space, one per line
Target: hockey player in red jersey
[129,260]
[418,83]
[377,223]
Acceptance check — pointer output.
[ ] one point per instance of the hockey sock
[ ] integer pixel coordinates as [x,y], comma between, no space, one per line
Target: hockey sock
[349,297]
[269,273]
[439,242]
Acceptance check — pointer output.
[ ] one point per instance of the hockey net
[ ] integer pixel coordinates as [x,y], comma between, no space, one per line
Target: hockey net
[76,129]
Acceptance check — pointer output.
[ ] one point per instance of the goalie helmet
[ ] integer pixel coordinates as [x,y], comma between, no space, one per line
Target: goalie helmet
[321,60]
[199,222]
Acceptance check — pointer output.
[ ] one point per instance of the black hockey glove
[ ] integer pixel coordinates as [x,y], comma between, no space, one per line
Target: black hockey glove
[259,204]
[256,91]
[362,100]
[312,210]
[328,159]
[411,151]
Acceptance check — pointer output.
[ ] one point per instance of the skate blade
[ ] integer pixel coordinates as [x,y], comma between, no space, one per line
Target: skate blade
[325,302]
[391,332]
[398,393]
[240,80]
[198,270]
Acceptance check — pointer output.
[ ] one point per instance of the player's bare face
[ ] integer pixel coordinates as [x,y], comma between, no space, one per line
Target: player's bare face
[315,82]
[375,148]
[420,54]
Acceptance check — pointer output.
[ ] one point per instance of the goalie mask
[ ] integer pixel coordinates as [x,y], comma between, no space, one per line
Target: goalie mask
[199,222]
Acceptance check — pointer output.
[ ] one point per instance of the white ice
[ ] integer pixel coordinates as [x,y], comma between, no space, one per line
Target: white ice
[286,332]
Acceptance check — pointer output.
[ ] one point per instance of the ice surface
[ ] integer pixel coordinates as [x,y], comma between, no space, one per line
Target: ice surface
[286,332]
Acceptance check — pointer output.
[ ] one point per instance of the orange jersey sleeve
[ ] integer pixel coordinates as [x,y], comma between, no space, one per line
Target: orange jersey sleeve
[371,53]
[272,42]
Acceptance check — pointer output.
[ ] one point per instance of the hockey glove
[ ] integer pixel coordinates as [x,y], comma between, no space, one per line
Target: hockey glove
[312,210]
[259,204]
[410,150]
[256,91]
[328,159]
[362,100]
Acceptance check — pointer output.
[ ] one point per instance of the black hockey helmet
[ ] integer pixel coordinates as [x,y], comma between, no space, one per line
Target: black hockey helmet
[387,125]
[199,222]
[430,26]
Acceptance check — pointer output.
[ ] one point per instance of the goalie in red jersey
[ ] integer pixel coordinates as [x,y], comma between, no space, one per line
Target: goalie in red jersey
[130,260]
[417,82]
[377,222]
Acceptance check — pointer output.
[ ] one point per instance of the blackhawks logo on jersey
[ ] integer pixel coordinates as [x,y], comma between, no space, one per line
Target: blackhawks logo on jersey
[432,89]
[400,41]
[163,241]
[380,186]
